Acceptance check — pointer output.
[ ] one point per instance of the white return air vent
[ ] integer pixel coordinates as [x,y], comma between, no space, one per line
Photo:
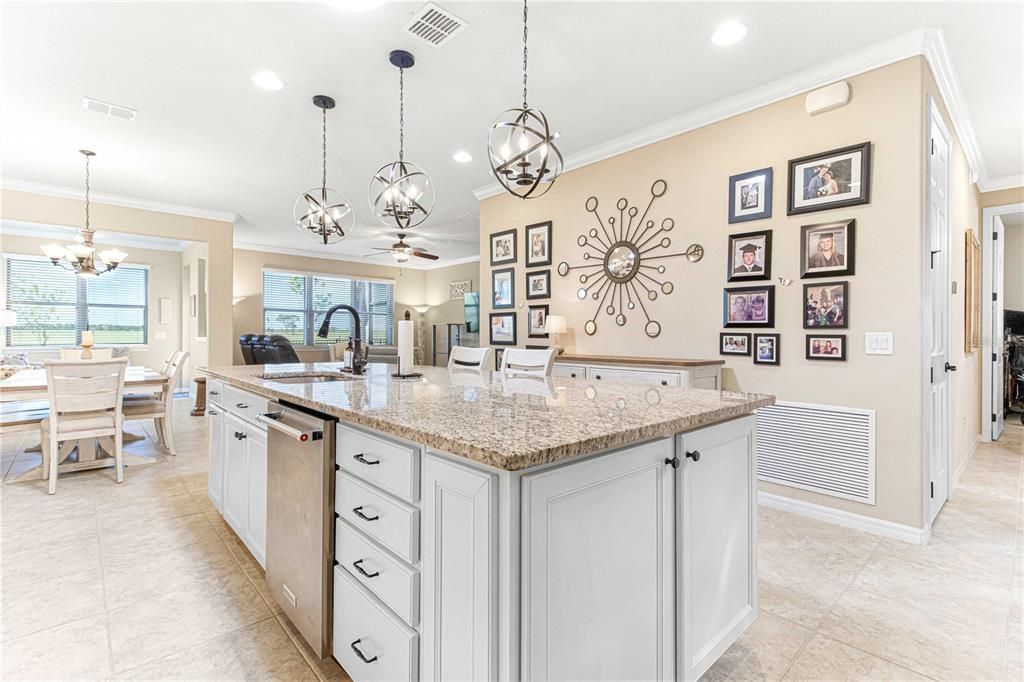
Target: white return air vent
[823,448]
[434,25]
[108,109]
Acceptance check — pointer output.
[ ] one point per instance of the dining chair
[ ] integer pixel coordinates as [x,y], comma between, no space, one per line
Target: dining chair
[463,356]
[159,408]
[76,354]
[528,361]
[164,367]
[85,399]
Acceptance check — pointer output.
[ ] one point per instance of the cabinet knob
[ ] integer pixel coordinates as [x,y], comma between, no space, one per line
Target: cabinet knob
[212,413]
[598,377]
[664,382]
[360,654]
[695,455]
[358,511]
[214,393]
[573,375]
[362,460]
[357,565]
[674,461]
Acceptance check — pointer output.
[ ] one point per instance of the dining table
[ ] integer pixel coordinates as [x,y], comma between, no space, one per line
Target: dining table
[23,405]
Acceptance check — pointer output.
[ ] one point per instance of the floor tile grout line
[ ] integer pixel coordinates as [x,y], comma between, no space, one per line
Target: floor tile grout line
[103,590]
[904,666]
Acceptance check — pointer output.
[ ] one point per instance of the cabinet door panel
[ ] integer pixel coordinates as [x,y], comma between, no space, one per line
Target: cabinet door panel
[256,523]
[217,445]
[459,572]
[236,475]
[718,559]
[597,565]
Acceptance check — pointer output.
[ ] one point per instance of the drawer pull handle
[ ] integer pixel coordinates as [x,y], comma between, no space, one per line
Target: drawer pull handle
[356,565]
[695,455]
[242,406]
[573,375]
[212,413]
[664,382]
[214,393]
[358,511]
[360,654]
[362,460]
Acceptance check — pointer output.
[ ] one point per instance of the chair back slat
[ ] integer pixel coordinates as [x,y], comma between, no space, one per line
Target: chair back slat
[531,361]
[463,356]
[173,373]
[85,385]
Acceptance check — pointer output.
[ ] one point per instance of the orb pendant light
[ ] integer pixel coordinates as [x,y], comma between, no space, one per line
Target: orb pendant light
[321,212]
[401,194]
[521,146]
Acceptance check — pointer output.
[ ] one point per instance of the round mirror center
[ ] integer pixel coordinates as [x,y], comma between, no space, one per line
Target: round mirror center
[622,261]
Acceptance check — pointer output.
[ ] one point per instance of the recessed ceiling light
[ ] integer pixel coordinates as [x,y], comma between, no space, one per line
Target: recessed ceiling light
[462,156]
[729,33]
[357,5]
[267,80]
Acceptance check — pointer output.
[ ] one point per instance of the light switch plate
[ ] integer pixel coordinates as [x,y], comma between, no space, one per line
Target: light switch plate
[878,343]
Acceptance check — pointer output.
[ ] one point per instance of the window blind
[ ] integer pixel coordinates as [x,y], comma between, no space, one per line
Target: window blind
[294,306]
[55,305]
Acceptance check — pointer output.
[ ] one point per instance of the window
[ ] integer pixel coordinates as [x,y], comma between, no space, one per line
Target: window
[55,306]
[294,306]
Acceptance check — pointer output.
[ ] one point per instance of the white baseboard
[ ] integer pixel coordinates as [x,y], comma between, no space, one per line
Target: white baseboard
[868,524]
[958,474]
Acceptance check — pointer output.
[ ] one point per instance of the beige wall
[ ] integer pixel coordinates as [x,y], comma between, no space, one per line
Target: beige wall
[50,210]
[886,108]
[1013,273]
[1001,197]
[189,281]
[442,308]
[164,282]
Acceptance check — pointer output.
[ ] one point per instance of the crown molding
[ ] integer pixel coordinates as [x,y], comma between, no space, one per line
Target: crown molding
[927,42]
[45,189]
[328,255]
[1005,182]
[20,228]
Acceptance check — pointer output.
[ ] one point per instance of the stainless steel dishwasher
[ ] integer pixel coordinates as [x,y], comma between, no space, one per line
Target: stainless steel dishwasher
[300,518]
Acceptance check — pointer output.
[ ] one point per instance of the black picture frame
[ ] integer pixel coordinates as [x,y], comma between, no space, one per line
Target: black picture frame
[515,247]
[809,343]
[756,351]
[765,193]
[529,321]
[795,165]
[848,226]
[730,265]
[546,275]
[491,329]
[769,321]
[721,343]
[511,272]
[544,227]
[845,308]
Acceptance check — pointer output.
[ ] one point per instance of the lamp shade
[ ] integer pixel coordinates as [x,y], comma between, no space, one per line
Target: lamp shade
[555,324]
[8,318]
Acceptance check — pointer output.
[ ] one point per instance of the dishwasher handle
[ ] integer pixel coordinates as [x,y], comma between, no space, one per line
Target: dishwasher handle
[272,420]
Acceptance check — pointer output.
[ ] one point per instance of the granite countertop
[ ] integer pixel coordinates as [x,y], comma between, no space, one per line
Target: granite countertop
[508,422]
[633,360]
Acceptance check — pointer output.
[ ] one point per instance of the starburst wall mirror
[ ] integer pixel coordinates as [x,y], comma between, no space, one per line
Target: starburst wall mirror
[620,273]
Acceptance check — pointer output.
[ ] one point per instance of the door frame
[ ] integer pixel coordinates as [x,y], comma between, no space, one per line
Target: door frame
[989,286]
[934,119]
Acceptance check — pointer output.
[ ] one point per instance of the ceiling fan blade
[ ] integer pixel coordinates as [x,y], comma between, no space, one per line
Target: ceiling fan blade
[429,256]
[371,255]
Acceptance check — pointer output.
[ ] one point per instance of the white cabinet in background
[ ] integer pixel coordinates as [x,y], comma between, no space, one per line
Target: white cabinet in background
[633,376]
[571,371]
[215,476]
[460,572]
[690,376]
[245,483]
[598,582]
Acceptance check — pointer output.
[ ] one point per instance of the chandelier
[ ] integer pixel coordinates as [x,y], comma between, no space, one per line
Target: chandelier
[401,194]
[322,212]
[521,147]
[81,257]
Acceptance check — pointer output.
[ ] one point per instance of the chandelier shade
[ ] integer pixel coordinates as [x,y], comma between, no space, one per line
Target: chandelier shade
[401,193]
[324,214]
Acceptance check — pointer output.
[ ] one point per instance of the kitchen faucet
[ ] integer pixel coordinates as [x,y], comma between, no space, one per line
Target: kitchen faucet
[358,362]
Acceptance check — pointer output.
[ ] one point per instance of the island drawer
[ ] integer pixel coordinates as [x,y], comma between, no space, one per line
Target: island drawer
[571,371]
[389,464]
[244,404]
[389,521]
[215,391]
[633,376]
[369,641]
[394,582]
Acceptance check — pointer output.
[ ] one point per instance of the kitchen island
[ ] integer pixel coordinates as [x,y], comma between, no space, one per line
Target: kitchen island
[514,527]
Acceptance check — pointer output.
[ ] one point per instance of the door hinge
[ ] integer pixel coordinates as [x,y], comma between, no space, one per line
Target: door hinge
[994,357]
[995,236]
[995,296]
[993,418]
[933,490]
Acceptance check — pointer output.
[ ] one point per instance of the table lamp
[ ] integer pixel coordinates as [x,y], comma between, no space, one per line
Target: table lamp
[556,325]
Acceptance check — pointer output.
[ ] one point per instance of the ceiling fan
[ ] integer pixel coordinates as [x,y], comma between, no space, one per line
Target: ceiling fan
[401,251]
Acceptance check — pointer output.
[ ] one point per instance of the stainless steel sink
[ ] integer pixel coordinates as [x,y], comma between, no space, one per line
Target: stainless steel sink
[308,378]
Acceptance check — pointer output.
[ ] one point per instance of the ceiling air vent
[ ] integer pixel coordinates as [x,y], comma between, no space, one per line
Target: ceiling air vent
[108,109]
[434,25]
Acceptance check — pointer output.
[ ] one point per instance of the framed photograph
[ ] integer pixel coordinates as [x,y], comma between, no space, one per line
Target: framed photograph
[826,305]
[748,306]
[766,349]
[503,288]
[538,285]
[833,179]
[503,329]
[536,347]
[538,318]
[826,249]
[503,247]
[826,347]
[750,196]
[972,292]
[733,344]
[538,244]
[750,256]
[458,289]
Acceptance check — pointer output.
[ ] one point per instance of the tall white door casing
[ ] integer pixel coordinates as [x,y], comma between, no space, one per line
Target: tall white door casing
[460,572]
[716,542]
[217,444]
[998,305]
[598,600]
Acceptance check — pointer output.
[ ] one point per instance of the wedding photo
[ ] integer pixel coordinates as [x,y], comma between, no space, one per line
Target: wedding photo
[750,196]
[832,179]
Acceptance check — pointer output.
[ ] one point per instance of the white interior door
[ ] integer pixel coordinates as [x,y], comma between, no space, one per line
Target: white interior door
[938,295]
[998,371]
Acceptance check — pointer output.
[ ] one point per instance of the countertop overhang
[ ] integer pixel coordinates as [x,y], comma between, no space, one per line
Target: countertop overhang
[508,422]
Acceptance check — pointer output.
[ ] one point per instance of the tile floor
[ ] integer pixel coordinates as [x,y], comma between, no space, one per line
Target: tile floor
[145,581]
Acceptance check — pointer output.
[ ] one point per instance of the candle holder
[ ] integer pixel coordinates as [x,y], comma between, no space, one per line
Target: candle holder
[87,351]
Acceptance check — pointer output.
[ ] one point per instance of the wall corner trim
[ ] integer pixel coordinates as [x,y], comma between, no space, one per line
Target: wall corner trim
[868,524]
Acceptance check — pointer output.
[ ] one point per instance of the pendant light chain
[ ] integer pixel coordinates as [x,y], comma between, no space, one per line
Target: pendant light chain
[401,115]
[524,54]
[87,228]
[324,148]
